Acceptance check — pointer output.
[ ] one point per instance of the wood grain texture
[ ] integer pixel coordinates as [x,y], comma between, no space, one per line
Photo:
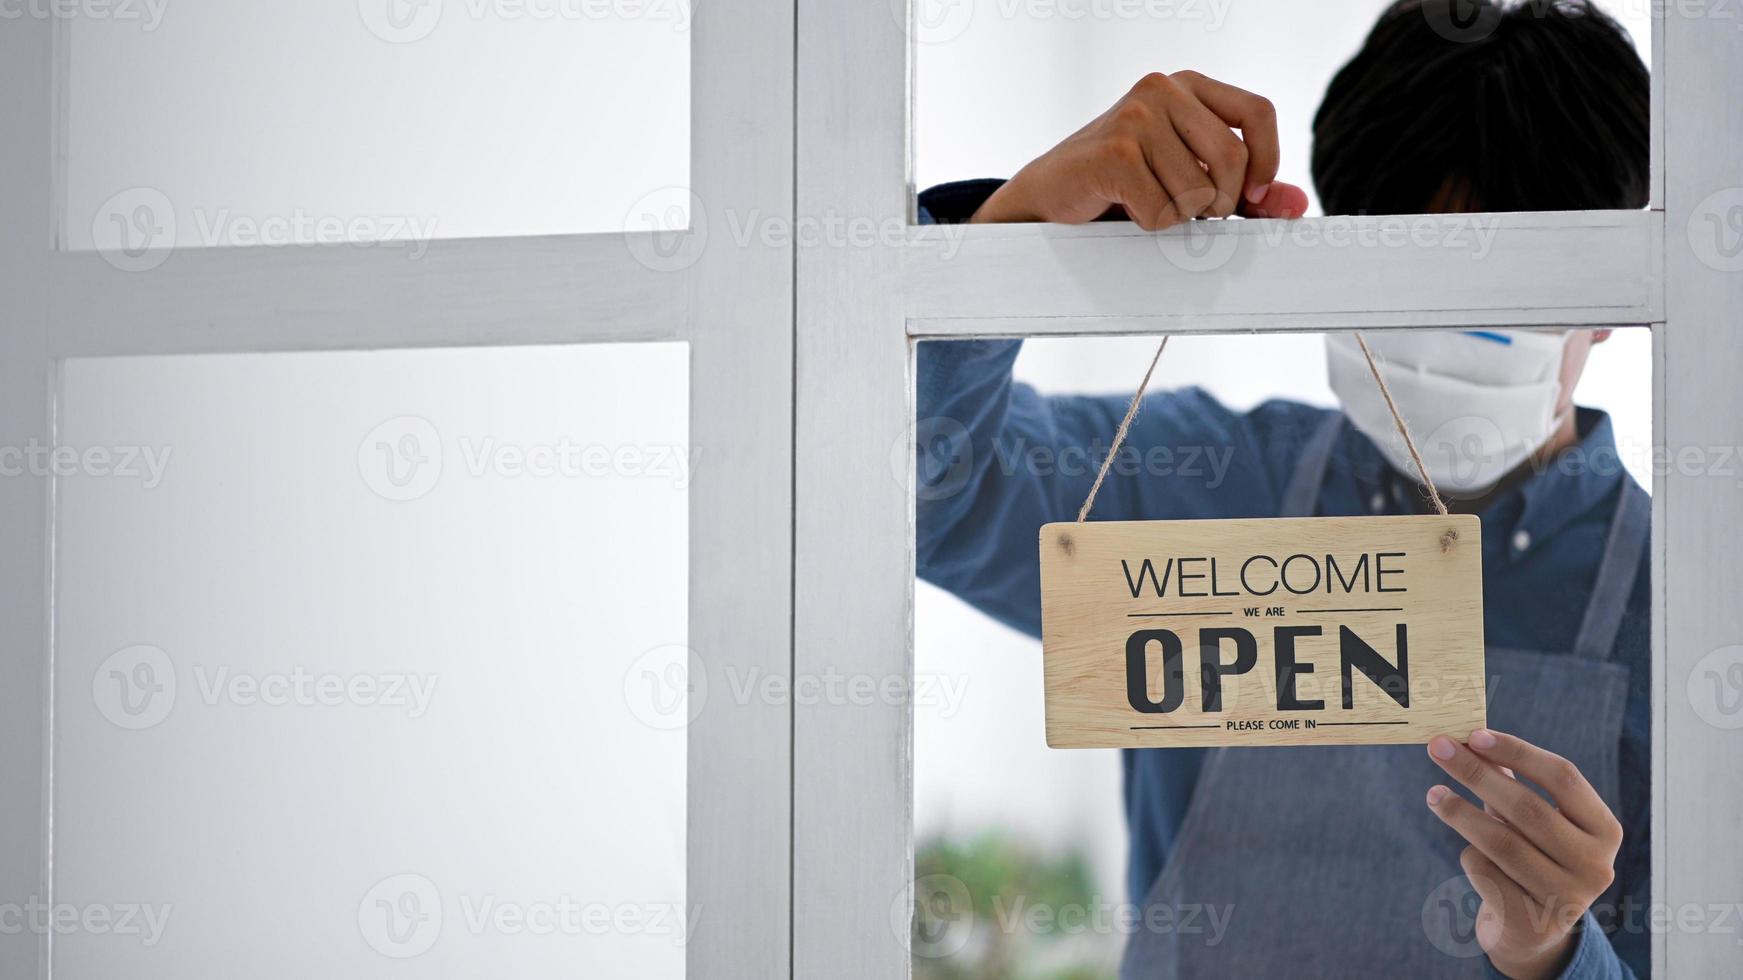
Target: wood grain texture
[1115,595]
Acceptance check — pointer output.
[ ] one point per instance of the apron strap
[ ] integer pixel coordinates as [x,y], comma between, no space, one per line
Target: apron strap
[1301,497]
[1630,527]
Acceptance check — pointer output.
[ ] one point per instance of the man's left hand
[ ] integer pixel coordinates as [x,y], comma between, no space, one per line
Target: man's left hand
[1536,866]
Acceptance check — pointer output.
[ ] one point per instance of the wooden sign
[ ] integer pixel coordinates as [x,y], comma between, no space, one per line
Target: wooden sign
[1290,631]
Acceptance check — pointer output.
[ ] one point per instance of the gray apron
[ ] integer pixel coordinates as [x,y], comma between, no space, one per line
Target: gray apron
[1324,860]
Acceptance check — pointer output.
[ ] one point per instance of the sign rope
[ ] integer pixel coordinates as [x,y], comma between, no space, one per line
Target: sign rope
[1397,419]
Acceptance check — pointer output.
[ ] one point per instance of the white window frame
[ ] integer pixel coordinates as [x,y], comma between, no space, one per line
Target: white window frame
[801,540]
[860,309]
[733,306]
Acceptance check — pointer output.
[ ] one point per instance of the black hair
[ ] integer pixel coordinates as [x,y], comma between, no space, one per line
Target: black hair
[1478,105]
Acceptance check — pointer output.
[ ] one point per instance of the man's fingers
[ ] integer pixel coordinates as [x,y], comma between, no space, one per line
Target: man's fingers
[1223,154]
[1141,195]
[1515,804]
[1506,847]
[1189,187]
[1210,143]
[1185,126]
[1163,112]
[1254,116]
[1490,810]
[1501,895]
[1559,777]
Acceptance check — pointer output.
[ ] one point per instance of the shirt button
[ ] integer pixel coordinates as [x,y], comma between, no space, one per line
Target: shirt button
[1377,503]
[1521,540]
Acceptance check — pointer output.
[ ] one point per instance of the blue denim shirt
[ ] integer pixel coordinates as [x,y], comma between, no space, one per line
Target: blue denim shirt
[998,460]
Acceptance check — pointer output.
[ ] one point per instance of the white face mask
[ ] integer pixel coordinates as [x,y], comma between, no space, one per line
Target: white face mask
[1478,402]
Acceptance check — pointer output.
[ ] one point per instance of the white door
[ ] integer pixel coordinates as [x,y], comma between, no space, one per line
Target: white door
[397,497]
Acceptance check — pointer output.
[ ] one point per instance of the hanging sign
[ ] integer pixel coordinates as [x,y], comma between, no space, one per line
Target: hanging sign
[1290,631]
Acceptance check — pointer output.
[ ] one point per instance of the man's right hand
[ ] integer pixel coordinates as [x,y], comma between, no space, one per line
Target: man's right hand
[1165,153]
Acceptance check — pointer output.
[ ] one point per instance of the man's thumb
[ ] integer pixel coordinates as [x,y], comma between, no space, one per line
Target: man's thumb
[1281,201]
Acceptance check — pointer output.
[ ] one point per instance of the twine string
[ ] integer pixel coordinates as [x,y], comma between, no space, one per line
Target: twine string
[1397,419]
[1403,430]
[1120,436]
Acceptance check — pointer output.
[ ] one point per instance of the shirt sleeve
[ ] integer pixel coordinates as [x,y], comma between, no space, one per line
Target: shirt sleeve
[955,202]
[1594,958]
[996,460]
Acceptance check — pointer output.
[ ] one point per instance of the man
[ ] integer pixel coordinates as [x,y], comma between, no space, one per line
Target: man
[1336,861]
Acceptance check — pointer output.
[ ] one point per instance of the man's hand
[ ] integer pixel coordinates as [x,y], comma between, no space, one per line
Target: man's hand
[1536,867]
[1165,153]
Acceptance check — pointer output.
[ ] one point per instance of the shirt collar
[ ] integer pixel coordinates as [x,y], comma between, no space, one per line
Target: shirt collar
[1572,483]
[1559,490]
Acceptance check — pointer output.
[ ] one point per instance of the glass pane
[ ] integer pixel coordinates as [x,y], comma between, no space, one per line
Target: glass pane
[1033,862]
[353,659]
[999,82]
[211,122]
